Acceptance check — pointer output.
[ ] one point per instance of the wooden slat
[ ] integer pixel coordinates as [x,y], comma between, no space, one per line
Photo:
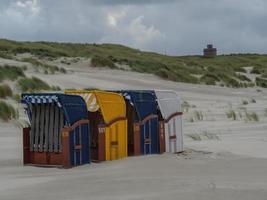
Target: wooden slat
[47,118]
[144,136]
[174,132]
[147,141]
[32,132]
[56,129]
[117,140]
[172,137]
[150,145]
[51,127]
[37,128]
[114,143]
[74,144]
[61,125]
[110,139]
[42,125]
[80,142]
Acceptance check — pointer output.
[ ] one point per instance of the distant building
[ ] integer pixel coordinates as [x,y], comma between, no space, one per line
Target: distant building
[210,52]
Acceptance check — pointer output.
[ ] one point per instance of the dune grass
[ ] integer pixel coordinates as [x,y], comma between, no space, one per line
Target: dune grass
[261,82]
[5,91]
[33,85]
[252,116]
[98,61]
[231,114]
[222,70]
[47,69]
[8,72]
[7,111]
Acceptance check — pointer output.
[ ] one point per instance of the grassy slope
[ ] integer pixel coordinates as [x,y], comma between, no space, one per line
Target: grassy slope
[191,69]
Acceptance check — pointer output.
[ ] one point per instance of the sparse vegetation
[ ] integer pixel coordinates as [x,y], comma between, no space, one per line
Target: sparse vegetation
[16,97]
[63,70]
[194,136]
[7,112]
[223,70]
[32,85]
[198,115]
[99,61]
[8,72]
[5,91]
[252,117]
[252,100]
[210,136]
[202,136]
[186,106]
[244,102]
[231,115]
[243,114]
[47,69]
[5,55]
[261,82]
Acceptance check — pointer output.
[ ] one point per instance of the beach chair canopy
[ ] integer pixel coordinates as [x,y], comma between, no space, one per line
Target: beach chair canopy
[74,107]
[168,102]
[144,102]
[111,105]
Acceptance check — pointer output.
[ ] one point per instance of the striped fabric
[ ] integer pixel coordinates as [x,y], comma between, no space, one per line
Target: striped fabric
[90,100]
[36,99]
[127,96]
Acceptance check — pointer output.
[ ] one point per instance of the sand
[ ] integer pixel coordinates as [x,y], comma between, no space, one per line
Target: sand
[228,162]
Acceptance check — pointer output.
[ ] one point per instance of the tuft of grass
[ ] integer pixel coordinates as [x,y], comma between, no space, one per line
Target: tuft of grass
[33,61]
[46,68]
[5,55]
[8,72]
[185,106]
[209,79]
[5,91]
[261,82]
[16,97]
[7,111]
[252,100]
[203,135]
[55,88]
[252,117]
[198,115]
[99,61]
[244,102]
[231,115]
[32,85]
[63,70]
[194,136]
[243,78]
[210,136]
[191,119]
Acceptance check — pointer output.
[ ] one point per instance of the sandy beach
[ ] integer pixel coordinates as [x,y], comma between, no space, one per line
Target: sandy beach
[224,158]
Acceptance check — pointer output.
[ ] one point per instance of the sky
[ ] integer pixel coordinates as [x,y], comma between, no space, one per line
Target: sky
[174,27]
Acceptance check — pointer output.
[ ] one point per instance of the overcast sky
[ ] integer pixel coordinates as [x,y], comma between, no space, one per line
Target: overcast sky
[177,27]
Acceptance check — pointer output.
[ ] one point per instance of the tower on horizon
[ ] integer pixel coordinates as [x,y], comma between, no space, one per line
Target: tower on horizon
[210,51]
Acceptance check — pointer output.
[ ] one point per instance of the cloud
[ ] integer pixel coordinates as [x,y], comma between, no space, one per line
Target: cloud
[29,5]
[129,2]
[176,27]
